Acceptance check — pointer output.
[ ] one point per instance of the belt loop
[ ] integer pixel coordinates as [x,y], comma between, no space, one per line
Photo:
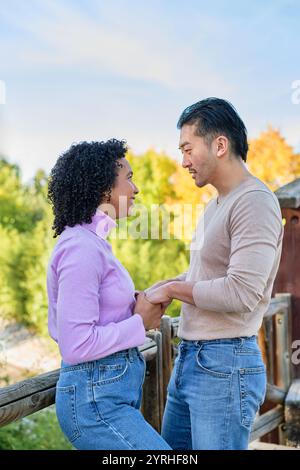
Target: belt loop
[130,354]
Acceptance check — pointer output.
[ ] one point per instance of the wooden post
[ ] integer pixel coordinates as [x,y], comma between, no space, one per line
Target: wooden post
[166,331]
[288,276]
[283,343]
[152,405]
[292,415]
[275,342]
[266,343]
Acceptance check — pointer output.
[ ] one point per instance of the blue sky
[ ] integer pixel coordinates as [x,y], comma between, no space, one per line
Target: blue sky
[90,70]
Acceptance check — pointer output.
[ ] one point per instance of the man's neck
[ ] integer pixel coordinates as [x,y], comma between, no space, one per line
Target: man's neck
[229,178]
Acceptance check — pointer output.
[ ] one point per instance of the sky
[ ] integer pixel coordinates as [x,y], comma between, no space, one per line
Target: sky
[74,70]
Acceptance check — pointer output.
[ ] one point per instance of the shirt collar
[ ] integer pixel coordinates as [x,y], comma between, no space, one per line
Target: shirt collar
[101,224]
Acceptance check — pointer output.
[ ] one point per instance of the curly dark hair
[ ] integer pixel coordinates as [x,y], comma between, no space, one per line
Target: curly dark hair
[80,180]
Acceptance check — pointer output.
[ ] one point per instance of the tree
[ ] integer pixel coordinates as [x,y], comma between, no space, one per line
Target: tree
[272,160]
[21,206]
[26,242]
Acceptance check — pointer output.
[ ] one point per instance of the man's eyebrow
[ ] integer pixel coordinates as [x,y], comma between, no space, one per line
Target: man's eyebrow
[183,144]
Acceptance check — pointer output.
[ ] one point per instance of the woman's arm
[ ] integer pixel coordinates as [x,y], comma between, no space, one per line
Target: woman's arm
[80,338]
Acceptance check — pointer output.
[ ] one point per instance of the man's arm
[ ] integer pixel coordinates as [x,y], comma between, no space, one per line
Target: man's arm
[180,290]
[255,229]
[180,277]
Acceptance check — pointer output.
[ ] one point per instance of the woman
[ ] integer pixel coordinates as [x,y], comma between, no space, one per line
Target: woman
[93,314]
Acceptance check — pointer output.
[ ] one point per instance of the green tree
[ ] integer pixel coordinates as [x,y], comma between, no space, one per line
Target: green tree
[26,241]
[20,206]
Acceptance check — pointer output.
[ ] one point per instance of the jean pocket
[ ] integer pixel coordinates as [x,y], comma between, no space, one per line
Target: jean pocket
[66,411]
[109,373]
[252,384]
[211,360]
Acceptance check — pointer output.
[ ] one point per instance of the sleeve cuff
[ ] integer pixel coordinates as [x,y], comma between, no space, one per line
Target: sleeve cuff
[133,329]
[140,327]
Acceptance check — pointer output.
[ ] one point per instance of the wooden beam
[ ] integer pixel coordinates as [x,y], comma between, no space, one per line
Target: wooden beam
[256,445]
[28,387]
[277,305]
[267,422]
[289,195]
[275,394]
[26,406]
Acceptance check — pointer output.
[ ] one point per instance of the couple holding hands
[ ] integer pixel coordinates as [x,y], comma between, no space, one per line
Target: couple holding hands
[98,320]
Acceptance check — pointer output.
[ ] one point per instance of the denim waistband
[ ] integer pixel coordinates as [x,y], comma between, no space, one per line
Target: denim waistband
[236,341]
[130,354]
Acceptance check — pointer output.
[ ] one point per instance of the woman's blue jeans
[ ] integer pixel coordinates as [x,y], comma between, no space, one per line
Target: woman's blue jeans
[98,404]
[215,390]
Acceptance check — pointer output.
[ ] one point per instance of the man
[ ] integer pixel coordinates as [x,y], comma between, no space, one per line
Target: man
[218,381]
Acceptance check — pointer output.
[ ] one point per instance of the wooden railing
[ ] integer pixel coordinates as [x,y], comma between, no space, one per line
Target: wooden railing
[26,397]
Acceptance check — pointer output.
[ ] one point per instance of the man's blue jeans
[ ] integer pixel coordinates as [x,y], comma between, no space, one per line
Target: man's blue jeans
[215,390]
[98,404]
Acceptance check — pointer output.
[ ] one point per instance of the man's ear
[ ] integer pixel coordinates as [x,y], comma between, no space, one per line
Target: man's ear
[221,145]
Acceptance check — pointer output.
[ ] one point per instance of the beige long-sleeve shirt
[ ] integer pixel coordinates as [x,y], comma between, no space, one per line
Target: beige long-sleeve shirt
[234,258]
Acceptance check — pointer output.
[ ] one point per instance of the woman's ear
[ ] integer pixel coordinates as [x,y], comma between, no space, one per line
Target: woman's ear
[106,197]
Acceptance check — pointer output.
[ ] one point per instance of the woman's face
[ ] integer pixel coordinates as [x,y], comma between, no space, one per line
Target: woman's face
[124,190]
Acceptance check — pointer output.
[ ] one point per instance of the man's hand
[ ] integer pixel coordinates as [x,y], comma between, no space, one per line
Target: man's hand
[156,285]
[160,295]
[180,290]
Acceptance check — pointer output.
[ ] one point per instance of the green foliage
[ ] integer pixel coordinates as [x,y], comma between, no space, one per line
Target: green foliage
[26,271]
[152,175]
[151,260]
[21,206]
[39,431]
[26,244]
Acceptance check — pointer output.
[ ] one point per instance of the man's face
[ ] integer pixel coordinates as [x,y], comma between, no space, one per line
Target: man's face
[197,156]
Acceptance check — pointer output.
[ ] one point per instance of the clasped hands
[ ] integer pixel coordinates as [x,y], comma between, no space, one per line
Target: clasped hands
[151,304]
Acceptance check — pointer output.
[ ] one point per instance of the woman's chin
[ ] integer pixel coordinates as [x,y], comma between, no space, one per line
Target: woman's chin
[130,209]
[127,212]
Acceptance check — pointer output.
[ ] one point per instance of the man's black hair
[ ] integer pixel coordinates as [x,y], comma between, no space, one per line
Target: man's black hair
[214,117]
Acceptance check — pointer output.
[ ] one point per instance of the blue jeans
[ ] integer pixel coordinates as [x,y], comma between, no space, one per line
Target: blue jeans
[97,404]
[215,390]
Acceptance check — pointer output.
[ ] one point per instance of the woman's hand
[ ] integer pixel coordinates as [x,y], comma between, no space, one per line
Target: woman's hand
[160,295]
[151,313]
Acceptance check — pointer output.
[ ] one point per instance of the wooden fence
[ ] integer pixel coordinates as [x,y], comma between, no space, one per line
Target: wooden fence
[160,349]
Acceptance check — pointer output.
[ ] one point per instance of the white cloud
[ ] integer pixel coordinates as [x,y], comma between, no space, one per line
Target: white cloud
[64,37]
